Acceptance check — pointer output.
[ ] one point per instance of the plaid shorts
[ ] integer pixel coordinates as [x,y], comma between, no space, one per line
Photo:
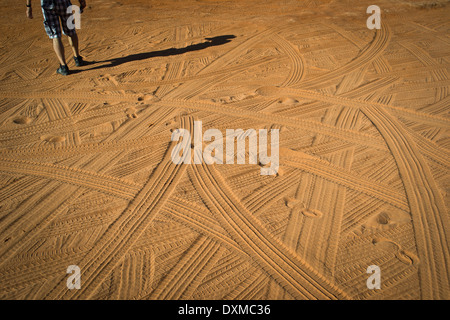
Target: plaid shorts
[53,13]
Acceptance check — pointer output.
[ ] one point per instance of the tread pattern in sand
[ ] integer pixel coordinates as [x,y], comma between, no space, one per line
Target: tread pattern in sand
[86,176]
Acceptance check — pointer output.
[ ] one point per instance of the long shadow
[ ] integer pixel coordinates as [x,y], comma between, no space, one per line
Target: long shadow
[210,42]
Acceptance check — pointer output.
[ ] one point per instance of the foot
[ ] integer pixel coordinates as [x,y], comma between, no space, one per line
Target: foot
[78,61]
[64,70]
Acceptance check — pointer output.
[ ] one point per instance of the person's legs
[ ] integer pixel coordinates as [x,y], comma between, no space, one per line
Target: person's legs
[69,31]
[59,50]
[73,41]
[53,29]
[68,27]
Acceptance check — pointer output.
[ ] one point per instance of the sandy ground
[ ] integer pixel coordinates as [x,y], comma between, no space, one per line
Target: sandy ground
[87,179]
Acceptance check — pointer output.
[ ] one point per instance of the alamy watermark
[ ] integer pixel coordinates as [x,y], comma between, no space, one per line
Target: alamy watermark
[374,21]
[74,280]
[214,151]
[374,281]
[74,21]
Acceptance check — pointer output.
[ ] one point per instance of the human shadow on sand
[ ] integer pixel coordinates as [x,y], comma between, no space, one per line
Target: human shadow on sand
[210,42]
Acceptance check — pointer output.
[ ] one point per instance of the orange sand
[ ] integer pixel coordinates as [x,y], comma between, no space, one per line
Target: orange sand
[86,177]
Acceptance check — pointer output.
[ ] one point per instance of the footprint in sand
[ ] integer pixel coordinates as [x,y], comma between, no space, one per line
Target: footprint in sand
[53,139]
[280,171]
[269,91]
[147,97]
[131,113]
[292,202]
[22,120]
[170,122]
[385,220]
[312,213]
[297,204]
[386,245]
[288,101]
[405,256]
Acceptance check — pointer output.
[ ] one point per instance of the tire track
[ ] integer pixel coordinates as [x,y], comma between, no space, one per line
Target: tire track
[314,126]
[191,90]
[71,96]
[319,210]
[174,69]
[138,268]
[22,226]
[272,255]
[249,288]
[124,232]
[21,185]
[425,145]
[430,217]
[373,51]
[91,148]
[93,164]
[298,70]
[78,122]
[119,188]
[184,278]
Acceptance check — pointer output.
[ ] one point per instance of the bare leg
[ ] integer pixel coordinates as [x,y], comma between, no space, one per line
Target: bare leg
[73,41]
[59,50]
